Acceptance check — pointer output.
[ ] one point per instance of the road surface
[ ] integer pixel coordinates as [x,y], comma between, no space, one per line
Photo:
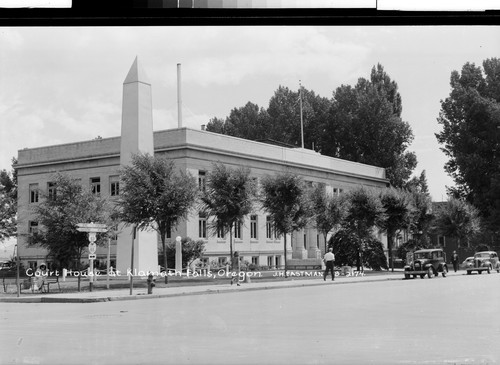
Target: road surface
[453,320]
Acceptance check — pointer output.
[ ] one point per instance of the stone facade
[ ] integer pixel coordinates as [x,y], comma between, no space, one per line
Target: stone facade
[195,151]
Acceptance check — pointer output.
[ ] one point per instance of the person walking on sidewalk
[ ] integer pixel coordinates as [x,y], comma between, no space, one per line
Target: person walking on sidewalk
[235,268]
[329,259]
[454,261]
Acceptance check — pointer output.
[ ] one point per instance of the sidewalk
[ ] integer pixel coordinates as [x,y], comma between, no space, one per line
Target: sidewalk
[141,293]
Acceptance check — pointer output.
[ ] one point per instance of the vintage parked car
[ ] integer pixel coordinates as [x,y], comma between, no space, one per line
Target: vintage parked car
[428,262]
[484,261]
[468,262]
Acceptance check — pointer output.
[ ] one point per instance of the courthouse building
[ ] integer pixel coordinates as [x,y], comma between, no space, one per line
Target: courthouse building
[96,164]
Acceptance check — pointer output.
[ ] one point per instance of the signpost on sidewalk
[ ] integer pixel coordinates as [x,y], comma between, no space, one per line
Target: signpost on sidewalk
[92,228]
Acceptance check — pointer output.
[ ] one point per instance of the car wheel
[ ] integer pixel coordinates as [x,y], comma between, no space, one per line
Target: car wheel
[489,269]
[407,276]
[414,276]
[430,273]
[445,271]
[422,276]
[468,272]
[479,272]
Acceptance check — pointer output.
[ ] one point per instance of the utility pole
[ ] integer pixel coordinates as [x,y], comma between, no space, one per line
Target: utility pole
[301,118]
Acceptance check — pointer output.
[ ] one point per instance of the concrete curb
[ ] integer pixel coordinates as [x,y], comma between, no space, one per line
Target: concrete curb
[104,298]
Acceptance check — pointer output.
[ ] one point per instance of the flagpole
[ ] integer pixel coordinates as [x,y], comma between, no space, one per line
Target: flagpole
[301,118]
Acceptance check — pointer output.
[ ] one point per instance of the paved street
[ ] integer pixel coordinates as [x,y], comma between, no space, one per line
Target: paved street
[453,320]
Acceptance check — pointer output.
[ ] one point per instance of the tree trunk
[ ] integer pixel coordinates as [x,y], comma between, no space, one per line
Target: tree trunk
[285,254]
[231,247]
[390,238]
[164,247]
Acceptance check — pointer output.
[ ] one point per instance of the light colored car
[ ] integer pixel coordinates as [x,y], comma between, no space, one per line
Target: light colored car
[468,262]
[484,261]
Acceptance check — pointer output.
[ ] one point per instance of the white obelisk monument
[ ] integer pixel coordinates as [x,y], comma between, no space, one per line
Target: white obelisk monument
[136,137]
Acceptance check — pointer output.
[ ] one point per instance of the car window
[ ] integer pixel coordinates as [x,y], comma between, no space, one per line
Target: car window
[422,255]
[482,255]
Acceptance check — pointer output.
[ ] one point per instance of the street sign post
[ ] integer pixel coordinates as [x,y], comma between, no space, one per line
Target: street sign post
[92,228]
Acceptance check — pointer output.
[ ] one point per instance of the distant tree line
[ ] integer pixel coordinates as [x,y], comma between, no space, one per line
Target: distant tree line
[360,123]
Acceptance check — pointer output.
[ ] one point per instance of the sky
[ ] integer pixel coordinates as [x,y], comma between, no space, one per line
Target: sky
[64,84]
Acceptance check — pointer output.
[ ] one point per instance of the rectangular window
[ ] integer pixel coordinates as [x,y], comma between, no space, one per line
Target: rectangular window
[51,190]
[33,188]
[32,265]
[305,241]
[253,227]
[317,241]
[95,185]
[202,226]
[255,260]
[237,230]
[270,261]
[269,227]
[222,261]
[278,261]
[114,186]
[32,230]
[220,231]
[202,180]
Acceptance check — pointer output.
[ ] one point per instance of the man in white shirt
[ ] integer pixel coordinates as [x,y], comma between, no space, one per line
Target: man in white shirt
[329,259]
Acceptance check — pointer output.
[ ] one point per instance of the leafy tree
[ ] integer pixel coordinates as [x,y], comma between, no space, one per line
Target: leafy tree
[365,212]
[285,198]
[365,126]
[191,250]
[329,210]
[345,248]
[228,197]
[470,118]
[399,213]
[422,216]
[284,114]
[280,122]
[155,195]
[58,214]
[458,219]
[216,125]
[418,184]
[8,203]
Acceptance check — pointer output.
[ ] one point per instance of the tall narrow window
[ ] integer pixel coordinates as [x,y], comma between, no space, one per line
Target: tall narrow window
[32,229]
[95,185]
[253,227]
[202,226]
[305,241]
[33,193]
[220,231]
[237,230]
[202,180]
[269,227]
[114,186]
[51,190]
